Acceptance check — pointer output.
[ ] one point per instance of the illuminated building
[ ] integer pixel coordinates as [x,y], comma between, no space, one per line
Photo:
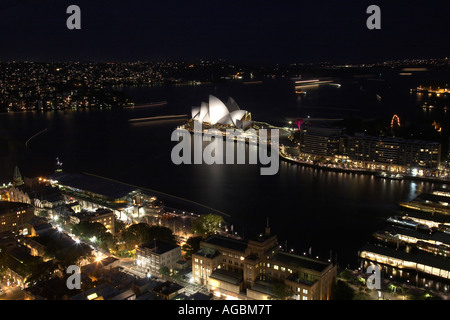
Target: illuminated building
[322,141]
[14,216]
[103,216]
[369,151]
[36,192]
[437,243]
[167,290]
[104,291]
[427,202]
[438,92]
[154,255]
[216,112]
[93,192]
[15,273]
[239,269]
[418,268]
[392,151]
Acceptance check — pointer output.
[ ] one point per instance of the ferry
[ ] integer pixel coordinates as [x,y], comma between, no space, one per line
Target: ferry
[407,222]
[312,83]
[392,176]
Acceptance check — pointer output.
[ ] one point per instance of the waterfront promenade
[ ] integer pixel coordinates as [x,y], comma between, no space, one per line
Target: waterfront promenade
[336,168]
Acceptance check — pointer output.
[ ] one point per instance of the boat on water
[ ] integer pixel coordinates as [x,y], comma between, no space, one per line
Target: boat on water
[407,222]
[300,92]
[391,176]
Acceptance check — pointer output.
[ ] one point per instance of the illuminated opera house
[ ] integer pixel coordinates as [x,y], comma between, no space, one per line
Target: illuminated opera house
[219,114]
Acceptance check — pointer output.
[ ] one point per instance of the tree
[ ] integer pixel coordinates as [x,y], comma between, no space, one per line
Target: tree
[43,214]
[136,234]
[165,271]
[119,225]
[281,291]
[88,230]
[142,233]
[66,255]
[3,260]
[107,241]
[162,234]
[39,270]
[94,232]
[192,245]
[207,224]
[342,291]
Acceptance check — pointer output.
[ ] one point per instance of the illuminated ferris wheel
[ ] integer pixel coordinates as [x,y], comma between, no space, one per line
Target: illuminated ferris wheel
[395,121]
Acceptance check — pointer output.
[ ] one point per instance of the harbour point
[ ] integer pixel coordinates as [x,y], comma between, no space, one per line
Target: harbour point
[219,130]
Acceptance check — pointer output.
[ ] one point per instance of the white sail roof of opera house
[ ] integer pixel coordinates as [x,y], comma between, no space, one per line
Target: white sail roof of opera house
[217,112]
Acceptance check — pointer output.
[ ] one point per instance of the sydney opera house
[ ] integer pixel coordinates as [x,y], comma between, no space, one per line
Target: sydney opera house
[218,114]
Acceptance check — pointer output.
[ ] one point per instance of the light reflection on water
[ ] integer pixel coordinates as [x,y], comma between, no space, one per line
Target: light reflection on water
[306,206]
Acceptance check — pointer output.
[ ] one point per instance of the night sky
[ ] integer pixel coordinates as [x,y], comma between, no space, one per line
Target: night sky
[239,31]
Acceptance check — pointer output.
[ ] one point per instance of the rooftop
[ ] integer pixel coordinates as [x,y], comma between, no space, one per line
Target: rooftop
[435,236]
[300,261]
[200,296]
[394,139]
[6,206]
[433,198]
[437,217]
[229,243]
[207,253]
[37,221]
[94,184]
[262,287]
[93,214]
[42,192]
[161,246]
[125,295]
[167,288]
[418,257]
[103,291]
[226,276]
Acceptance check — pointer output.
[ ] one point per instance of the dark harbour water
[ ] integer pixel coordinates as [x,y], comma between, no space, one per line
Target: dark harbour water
[306,207]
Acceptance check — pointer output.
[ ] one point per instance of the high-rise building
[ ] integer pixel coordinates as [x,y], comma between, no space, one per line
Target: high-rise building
[393,151]
[320,140]
[329,142]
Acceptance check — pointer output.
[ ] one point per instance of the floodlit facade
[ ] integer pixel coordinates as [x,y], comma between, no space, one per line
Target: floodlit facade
[246,269]
[420,268]
[216,112]
[154,255]
[14,216]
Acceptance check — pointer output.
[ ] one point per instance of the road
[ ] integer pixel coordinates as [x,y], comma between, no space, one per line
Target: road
[14,293]
[130,268]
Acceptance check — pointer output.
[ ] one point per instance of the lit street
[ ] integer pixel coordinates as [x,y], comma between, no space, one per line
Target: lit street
[14,293]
